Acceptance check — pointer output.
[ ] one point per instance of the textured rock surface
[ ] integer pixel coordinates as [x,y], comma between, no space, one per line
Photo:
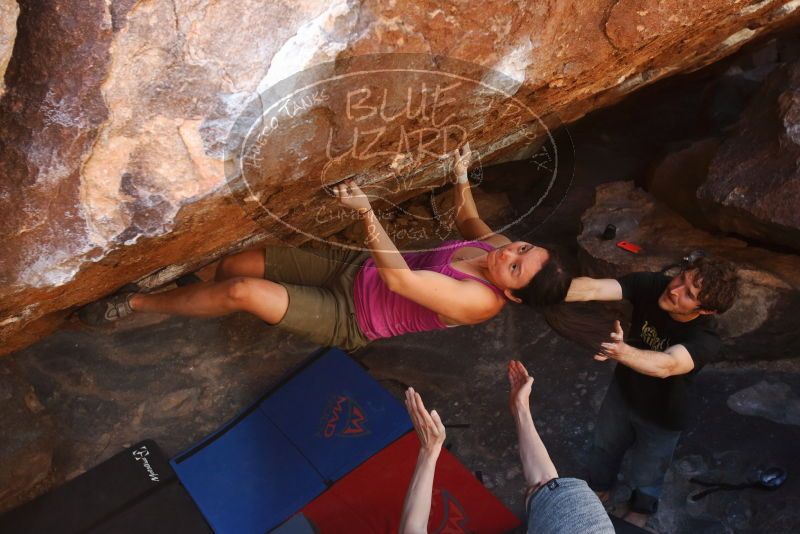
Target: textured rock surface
[116,113]
[725,446]
[8,30]
[753,187]
[675,178]
[28,456]
[774,401]
[762,322]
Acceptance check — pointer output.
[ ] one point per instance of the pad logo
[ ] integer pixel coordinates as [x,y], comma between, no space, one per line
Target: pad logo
[454,519]
[140,455]
[343,417]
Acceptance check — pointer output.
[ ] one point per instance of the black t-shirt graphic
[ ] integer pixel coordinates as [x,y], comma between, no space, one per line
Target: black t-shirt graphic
[661,400]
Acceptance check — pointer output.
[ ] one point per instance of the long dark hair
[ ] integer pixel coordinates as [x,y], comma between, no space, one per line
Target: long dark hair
[550,285]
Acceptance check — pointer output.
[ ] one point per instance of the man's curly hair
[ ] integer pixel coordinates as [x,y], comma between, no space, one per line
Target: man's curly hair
[718,281]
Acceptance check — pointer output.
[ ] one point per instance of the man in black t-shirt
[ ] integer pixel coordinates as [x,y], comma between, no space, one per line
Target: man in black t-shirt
[646,405]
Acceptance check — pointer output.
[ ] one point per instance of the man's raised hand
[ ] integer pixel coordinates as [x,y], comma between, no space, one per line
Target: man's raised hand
[429,427]
[614,348]
[520,383]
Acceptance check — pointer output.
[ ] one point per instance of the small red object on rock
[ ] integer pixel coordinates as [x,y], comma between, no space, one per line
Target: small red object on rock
[630,247]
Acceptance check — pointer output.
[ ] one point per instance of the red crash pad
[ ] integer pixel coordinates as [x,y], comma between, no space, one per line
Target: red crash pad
[370,498]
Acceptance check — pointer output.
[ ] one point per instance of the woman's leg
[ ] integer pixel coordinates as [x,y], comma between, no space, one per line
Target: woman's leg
[238,286]
[249,263]
[267,300]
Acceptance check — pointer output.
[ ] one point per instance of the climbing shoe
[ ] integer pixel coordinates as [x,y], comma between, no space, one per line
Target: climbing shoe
[107,310]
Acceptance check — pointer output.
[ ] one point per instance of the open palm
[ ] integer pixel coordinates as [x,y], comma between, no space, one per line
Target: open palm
[521,383]
[429,427]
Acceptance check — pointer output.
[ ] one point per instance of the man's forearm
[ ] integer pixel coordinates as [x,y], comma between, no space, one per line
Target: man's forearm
[647,362]
[417,506]
[537,466]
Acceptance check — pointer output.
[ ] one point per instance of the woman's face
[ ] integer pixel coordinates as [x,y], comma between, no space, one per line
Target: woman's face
[513,266]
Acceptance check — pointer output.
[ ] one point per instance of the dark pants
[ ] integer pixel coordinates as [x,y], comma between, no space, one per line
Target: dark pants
[619,429]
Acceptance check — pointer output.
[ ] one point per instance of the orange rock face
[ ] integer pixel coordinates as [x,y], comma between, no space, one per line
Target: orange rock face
[119,118]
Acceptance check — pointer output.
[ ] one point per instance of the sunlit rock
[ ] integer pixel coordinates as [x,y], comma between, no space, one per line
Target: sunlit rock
[8,30]
[119,115]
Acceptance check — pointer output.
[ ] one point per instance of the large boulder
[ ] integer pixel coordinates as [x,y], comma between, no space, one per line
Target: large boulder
[8,30]
[762,324]
[118,114]
[753,185]
[674,179]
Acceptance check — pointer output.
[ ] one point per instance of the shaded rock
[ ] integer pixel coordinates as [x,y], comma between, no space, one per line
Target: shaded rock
[753,186]
[27,450]
[728,97]
[177,403]
[761,323]
[86,395]
[725,446]
[774,401]
[675,178]
[116,128]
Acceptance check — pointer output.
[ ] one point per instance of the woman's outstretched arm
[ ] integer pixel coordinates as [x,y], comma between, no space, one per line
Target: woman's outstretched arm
[584,289]
[468,220]
[391,264]
[465,302]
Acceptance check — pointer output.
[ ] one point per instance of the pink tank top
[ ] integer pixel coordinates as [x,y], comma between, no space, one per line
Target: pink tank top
[381,313]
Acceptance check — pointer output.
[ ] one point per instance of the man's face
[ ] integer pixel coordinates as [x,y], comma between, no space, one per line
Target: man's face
[680,296]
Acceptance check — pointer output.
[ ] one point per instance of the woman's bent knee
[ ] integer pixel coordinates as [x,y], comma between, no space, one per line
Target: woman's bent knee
[264,299]
[240,291]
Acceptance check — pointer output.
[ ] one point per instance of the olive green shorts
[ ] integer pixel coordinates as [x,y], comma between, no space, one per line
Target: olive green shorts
[320,288]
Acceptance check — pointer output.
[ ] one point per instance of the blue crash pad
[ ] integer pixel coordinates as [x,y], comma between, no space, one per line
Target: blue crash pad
[336,414]
[279,454]
[248,478]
